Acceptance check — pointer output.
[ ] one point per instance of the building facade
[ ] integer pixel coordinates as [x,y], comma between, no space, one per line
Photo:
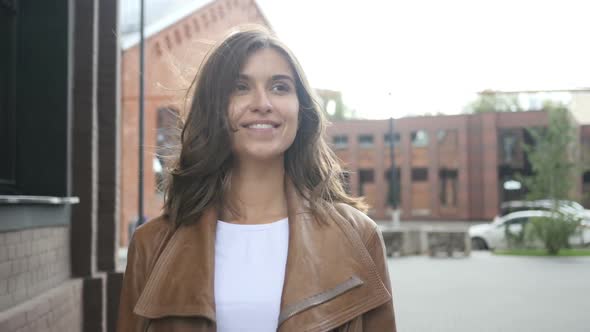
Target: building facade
[176,44]
[458,167]
[59,130]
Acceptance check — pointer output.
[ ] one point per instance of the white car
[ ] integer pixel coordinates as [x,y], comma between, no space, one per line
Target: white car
[493,235]
[564,206]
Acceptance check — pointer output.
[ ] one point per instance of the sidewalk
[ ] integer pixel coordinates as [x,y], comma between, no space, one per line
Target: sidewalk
[489,293]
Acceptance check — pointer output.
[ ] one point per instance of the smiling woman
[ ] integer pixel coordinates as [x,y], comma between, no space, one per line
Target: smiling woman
[257,232]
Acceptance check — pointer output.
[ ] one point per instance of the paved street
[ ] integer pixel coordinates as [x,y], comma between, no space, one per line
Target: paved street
[491,293]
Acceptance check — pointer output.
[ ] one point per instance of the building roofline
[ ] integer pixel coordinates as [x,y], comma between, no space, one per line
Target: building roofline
[491,92]
[132,39]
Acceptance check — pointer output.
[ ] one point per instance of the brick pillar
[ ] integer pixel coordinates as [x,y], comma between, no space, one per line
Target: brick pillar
[108,102]
[381,182]
[464,191]
[109,137]
[85,139]
[85,170]
[490,165]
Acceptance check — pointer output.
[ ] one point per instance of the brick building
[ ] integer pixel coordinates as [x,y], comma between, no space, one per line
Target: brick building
[59,141]
[176,43]
[449,167]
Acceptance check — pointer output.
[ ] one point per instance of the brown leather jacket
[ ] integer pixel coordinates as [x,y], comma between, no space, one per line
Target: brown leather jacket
[336,277]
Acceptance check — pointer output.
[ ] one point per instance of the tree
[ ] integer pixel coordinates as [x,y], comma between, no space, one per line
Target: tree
[489,101]
[333,105]
[553,157]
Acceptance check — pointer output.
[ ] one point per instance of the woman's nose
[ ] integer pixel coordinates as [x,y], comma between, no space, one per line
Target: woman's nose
[261,101]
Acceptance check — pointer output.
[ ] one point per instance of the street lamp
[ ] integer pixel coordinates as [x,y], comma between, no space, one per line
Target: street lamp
[140,212]
[392,176]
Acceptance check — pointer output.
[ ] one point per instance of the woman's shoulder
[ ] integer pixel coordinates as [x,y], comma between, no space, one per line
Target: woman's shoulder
[152,232]
[363,224]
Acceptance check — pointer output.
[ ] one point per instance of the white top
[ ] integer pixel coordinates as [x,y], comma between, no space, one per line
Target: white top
[250,263]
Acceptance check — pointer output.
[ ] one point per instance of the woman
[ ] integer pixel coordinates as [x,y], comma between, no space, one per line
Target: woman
[257,232]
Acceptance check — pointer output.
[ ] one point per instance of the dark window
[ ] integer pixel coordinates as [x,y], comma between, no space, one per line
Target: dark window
[586,177]
[419,138]
[387,139]
[340,141]
[366,175]
[366,141]
[8,99]
[419,174]
[448,182]
[508,148]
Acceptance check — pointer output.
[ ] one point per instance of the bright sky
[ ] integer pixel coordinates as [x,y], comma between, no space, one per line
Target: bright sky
[411,57]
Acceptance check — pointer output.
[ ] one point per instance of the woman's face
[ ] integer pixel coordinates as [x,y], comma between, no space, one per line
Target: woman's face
[263,107]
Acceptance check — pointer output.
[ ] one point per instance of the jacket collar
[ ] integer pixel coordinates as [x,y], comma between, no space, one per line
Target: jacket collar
[328,272]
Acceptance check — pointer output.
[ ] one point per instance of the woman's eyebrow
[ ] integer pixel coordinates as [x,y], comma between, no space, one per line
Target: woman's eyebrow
[273,77]
[283,77]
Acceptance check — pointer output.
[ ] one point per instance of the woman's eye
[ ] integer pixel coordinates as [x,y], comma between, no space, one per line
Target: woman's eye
[240,87]
[281,87]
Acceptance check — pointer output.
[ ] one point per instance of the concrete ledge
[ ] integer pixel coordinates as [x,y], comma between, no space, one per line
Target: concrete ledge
[25,216]
[421,240]
[448,242]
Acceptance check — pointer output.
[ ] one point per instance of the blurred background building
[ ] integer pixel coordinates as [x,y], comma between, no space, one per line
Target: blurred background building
[450,167]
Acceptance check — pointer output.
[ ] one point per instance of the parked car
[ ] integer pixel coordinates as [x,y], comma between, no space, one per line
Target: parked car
[564,206]
[493,235]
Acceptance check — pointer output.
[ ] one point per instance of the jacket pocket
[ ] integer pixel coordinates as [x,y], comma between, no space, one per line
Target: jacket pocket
[320,298]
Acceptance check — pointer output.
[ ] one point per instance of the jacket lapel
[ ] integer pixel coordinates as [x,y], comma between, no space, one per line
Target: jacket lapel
[181,282]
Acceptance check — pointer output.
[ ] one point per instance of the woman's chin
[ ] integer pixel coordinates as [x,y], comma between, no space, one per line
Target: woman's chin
[262,155]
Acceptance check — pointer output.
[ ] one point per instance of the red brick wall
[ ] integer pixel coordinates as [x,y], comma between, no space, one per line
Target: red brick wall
[172,58]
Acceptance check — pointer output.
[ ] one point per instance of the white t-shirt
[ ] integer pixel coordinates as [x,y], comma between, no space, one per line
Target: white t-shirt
[250,263]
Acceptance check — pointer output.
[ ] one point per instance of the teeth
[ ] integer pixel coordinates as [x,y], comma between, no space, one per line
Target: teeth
[260,126]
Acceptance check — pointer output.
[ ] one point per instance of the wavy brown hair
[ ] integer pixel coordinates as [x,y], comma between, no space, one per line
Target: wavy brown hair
[201,176]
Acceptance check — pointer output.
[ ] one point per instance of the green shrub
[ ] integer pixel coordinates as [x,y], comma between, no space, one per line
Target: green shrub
[554,232]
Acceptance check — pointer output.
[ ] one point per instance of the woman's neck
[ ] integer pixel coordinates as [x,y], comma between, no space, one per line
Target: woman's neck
[258,192]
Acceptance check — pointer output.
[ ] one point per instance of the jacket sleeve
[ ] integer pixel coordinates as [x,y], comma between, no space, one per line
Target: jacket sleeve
[133,282]
[381,318]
